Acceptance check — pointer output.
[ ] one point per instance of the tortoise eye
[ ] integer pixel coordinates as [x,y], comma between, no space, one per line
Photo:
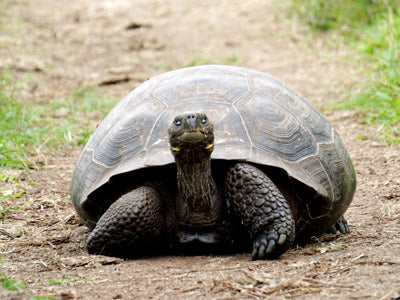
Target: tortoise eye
[177,122]
[204,120]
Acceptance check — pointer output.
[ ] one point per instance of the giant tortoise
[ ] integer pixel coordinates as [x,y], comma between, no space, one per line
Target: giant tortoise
[211,157]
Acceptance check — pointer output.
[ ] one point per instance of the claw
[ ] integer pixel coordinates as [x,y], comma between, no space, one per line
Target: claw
[261,251]
[271,246]
[254,253]
[342,228]
[282,239]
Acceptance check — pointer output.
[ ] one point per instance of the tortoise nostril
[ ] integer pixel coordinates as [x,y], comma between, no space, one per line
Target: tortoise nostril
[191,120]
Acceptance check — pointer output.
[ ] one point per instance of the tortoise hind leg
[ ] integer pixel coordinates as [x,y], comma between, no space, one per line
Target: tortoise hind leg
[130,226]
[262,209]
[340,226]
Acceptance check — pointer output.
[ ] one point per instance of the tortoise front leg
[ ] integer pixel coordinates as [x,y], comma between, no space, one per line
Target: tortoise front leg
[261,208]
[130,226]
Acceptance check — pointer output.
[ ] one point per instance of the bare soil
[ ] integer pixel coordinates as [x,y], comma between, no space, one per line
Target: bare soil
[118,44]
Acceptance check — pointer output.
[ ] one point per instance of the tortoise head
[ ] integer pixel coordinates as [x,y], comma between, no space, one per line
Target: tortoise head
[191,138]
[191,133]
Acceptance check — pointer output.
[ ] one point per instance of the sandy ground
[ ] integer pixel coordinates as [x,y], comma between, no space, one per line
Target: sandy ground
[118,44]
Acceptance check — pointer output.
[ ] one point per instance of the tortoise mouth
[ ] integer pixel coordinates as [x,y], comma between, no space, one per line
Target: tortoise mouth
[193,136]
[192,140]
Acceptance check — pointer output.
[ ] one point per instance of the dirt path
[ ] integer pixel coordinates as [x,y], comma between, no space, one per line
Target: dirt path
[66,43]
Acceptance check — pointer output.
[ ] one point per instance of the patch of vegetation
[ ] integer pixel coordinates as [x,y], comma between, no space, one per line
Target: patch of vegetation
[76,113]
[8,178]
[6,207]
[26,129]
[12,284]
[16,285]
[68,280]
[162,65]
[198,61]
[372,27]
[13,196]
[16,128]
[230,60]
[344,15]
[380,100]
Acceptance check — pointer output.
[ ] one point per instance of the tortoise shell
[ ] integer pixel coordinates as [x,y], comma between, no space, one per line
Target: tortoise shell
[256,117]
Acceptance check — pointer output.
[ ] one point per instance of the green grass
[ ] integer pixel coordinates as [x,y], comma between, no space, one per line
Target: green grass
[27,129]
[11,284]
[84,105]
[68,280]
[15,285]
[380,101]
[343,15]
[9,178]
[5,207]
[373,29]
[230,60]
[16,128]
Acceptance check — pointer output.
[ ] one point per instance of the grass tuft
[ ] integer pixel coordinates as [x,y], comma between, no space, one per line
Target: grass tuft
[27,130]
[379,101]
[372,27]
[68,280]
[14,120]
[230,60]
[11,284]
[77,112]
[16,285]
[5,207]
[342,15]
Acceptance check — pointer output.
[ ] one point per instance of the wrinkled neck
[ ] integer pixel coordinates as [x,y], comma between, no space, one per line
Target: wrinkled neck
[198,202]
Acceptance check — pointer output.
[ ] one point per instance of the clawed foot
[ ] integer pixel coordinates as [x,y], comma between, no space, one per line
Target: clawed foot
[270,245]
[262,209]
[340,226]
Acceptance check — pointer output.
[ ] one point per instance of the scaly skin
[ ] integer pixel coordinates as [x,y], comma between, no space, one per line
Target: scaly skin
[130,225]
[138,220]
[261,208]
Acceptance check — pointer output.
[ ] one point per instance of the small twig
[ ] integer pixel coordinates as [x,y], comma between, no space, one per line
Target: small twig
[386,296]
[21,243]
[191,289]
[43,263]
[358,257]
[63,221]
[329,284]
[206,270]
[6,233]
[281,286]
[262,292]
[345,269]
[245,290]
[303,289]
[15,218]
[376,263]
[7,251]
